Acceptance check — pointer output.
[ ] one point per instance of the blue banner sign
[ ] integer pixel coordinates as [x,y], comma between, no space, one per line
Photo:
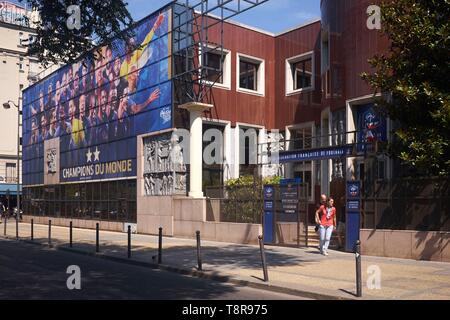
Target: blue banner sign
[315,154]
[285,182]
[269,213]
[353,206]
[371,128]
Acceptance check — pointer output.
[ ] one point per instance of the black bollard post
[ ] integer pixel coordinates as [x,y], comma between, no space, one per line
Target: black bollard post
[199,251]
[160,245]
[97,246]
[70,234]
[263,258]
[49,232]
[4,227]
[32,229]
[129,241]
[358,269]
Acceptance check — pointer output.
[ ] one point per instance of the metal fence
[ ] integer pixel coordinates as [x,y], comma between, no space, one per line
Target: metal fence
[237,204]
[421,204]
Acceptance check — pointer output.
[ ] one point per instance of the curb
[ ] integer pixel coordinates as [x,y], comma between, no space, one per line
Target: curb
[190,272]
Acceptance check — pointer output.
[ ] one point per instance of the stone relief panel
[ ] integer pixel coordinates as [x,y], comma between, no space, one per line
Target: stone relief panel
[51,160]
[164,168]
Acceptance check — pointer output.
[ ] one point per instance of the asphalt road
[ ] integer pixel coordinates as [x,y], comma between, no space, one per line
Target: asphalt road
[33,272]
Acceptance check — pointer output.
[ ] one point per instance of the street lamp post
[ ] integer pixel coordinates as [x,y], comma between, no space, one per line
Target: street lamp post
[6,105]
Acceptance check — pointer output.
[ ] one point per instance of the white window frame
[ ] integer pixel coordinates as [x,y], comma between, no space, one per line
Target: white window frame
[226,70]
[289,73]
[261,75]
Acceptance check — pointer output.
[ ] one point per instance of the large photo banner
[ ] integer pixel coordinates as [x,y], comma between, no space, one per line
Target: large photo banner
[97,106]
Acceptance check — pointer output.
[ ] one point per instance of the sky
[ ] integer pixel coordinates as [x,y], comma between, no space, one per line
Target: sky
[274,16]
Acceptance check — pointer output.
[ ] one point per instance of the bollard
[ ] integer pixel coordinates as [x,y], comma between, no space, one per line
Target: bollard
[97,246]
[4,231]
[263,258]
[160,245]
[129,241]
[32,230]
[17,226]
[199,251]
[70,234]
[358,269]
[49,232]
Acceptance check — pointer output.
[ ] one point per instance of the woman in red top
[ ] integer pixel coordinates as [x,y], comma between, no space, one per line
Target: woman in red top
[326,217]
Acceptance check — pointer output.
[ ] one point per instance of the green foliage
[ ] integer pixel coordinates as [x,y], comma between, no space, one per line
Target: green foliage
[55,43]
[244,200]
[416,71]
[250,181]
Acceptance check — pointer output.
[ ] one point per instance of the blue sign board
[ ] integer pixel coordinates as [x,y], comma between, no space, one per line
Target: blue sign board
[285,182]
[353,221]
[315,154]
[269,213]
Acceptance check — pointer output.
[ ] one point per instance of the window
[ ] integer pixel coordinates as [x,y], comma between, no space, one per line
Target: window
[11,173]
[213,172]
[113,201]
[302,139]
[248,151]
[300,73]
[218,68]
[214,62]
[250,75]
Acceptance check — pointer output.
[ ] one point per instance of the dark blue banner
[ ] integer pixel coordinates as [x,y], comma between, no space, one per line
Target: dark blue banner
[371,128]
[315,154]
[353,212]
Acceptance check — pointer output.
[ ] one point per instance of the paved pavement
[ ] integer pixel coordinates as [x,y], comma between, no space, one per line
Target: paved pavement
[33,272]
[291,270]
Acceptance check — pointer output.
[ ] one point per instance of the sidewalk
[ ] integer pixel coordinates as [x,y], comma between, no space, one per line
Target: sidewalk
[291,270]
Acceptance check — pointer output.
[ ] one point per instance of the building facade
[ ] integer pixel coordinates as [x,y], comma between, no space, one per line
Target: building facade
[108,140]
[17,72]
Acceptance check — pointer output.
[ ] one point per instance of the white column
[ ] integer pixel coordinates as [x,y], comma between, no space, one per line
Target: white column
[196,147]
[228,164]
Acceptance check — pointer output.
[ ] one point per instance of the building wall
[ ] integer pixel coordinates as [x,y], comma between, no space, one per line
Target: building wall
[236,106]
[17,72]
[351,45]
[305,106]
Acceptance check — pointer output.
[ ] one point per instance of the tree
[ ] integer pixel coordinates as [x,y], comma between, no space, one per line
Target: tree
[415,74]
[58,41]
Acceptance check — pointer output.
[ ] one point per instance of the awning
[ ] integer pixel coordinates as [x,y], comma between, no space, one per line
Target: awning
[4,187]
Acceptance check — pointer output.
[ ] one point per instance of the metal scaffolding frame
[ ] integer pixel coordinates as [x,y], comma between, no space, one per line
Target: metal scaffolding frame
[193,75]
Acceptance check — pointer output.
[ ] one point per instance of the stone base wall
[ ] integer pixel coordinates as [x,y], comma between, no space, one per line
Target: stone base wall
[417,245]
